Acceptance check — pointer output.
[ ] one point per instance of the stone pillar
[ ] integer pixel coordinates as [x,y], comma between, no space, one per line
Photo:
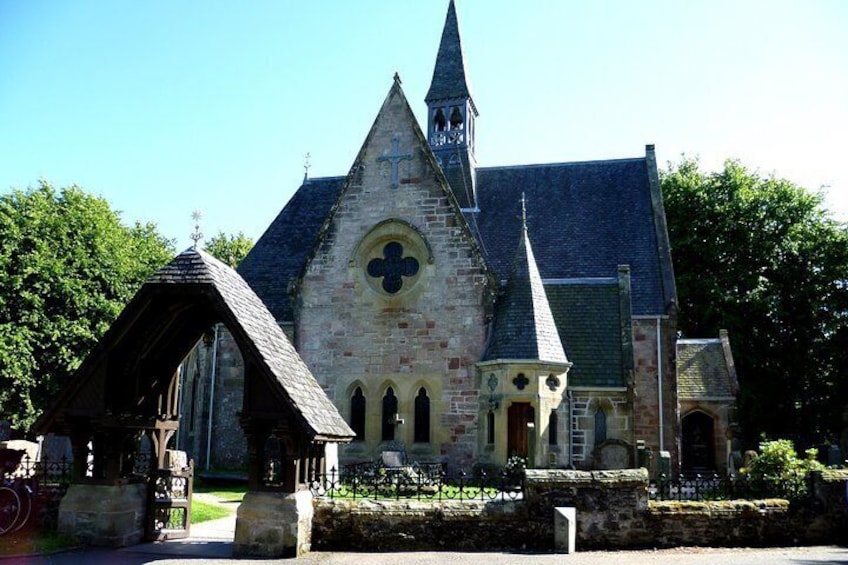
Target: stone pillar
[565,529]
[274,524]
[104,515]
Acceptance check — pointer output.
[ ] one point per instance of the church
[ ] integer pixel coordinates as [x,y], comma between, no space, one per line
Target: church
[468,315]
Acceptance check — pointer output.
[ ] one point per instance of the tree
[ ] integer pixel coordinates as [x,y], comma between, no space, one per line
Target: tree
[230,249]
[762,258]
[67,267]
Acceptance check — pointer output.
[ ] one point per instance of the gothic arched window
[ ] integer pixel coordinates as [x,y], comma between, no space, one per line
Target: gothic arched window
[390,409]
[422,417]
[553,424]
[600,426]
[490,427]
[357,414]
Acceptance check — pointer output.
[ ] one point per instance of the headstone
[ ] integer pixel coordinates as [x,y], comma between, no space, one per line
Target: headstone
[644,455]
[614,456]
[5,430]
[56,455]
[565,529]
[665,463]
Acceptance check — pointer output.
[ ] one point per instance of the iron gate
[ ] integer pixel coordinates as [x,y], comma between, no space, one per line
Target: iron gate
[169,503]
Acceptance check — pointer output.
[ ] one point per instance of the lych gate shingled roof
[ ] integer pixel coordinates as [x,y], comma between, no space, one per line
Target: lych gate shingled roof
[449,77]
[524,325]
[275,353]
[197,288]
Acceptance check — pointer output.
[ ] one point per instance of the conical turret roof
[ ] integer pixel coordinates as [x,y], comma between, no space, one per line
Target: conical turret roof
[524,323]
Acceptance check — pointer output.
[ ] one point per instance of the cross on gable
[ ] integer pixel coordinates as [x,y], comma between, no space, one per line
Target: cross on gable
[393,267]
[395,157]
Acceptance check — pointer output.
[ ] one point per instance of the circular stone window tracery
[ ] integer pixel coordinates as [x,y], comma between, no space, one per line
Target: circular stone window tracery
[393,267]
[392,257]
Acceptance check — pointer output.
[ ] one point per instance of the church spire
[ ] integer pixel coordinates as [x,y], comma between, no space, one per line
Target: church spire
[449,76]
[524,324]
[451,113]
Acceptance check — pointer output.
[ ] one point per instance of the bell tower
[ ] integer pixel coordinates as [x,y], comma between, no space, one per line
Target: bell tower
[451,115]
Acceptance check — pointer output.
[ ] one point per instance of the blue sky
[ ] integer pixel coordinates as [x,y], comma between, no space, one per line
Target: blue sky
[165,107]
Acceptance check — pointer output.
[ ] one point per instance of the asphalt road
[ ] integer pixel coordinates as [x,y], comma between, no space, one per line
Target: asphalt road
[216,552]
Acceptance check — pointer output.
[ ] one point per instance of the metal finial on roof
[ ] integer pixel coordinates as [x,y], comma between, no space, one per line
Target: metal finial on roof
[523,212]
[307,164]
[196,236]
[397,78]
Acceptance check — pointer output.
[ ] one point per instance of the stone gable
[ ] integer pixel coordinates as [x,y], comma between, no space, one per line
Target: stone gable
[395,294]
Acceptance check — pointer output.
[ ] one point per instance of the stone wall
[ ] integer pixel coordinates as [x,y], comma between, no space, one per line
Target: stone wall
[613,511]
[646,401]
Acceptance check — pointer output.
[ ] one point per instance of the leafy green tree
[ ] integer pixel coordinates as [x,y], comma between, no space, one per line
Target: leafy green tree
[762,258]
[230,249]
[67,267]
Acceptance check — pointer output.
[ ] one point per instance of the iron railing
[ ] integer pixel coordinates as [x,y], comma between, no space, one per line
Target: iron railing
[29,488]
[416,482]
[728,487]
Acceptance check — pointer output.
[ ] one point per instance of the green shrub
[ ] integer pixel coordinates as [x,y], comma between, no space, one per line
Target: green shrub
[779,469]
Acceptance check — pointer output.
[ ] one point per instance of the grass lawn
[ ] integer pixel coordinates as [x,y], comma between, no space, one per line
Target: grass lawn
[205,511]
[26,543]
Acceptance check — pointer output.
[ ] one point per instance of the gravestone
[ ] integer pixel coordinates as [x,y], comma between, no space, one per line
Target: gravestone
[56,455]
[5,430]
[665,463]
[613,456]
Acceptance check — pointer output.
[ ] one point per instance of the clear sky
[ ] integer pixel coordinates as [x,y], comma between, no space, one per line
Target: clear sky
[164,107]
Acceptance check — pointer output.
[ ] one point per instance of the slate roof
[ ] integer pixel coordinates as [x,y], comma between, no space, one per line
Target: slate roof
[449,76]
[588,318]
[584,219]
[705,369]
[524,325]
[281,252]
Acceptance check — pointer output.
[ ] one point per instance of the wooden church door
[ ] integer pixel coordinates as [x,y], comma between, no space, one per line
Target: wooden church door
[519,416]
[698,442]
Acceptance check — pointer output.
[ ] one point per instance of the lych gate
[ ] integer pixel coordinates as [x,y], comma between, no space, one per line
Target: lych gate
[120,411]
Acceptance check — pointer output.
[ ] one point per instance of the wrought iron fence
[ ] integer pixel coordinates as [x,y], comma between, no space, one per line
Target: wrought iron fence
[728,487]
[29,487]
[416,482]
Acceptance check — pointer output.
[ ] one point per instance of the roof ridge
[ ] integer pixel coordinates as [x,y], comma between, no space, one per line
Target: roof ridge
[563,164]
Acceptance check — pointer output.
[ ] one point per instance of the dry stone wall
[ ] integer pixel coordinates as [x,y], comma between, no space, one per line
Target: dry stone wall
[613,512]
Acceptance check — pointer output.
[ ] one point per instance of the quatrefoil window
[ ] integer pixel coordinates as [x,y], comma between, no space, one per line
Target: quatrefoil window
[393,267]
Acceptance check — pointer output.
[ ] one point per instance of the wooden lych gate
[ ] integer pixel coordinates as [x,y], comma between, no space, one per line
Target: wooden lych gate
[121,408]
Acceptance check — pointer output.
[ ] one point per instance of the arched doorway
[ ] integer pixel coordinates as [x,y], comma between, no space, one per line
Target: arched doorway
[520,418]
[698,442]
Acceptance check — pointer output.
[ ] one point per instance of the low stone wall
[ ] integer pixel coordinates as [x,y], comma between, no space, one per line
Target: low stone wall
[613,511]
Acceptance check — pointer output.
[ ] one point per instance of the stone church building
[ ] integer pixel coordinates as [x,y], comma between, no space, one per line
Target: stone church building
[468,314]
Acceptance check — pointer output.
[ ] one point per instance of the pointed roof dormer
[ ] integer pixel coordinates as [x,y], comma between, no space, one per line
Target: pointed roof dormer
[524,323]
[451,113]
